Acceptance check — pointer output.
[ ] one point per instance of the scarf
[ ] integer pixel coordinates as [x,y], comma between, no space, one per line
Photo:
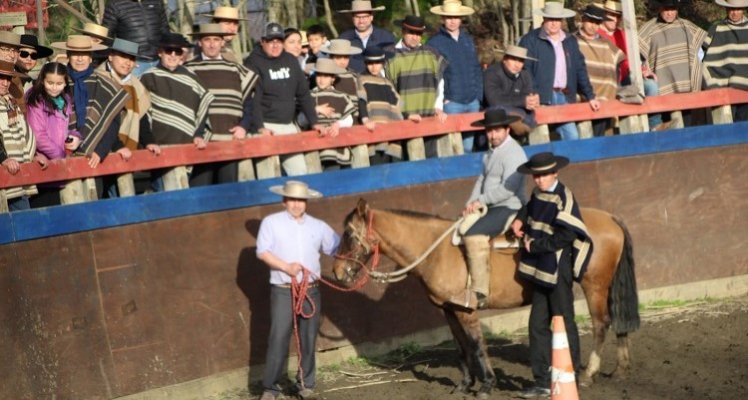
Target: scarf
[80,94]
[137,105]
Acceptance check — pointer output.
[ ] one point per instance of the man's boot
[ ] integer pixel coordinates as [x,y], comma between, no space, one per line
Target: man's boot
[478,259]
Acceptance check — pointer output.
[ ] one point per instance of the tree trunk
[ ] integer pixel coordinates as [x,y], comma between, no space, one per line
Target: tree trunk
[328,17]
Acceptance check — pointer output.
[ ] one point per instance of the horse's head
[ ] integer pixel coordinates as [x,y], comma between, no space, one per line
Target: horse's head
[356,245]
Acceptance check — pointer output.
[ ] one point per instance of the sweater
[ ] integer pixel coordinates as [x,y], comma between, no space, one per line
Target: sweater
[499,183]
[462,78]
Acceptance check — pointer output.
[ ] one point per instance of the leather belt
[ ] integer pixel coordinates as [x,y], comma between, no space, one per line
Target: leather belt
[561,90]
[288,285]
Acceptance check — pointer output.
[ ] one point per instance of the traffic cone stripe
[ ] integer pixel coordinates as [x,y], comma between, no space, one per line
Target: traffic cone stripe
[560,341]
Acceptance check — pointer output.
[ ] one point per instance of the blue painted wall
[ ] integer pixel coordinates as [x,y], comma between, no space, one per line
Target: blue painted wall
[34,224]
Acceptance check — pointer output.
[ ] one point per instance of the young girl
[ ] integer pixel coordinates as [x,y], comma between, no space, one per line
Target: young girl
[49,106]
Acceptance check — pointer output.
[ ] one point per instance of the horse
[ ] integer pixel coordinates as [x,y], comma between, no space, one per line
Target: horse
[406,237]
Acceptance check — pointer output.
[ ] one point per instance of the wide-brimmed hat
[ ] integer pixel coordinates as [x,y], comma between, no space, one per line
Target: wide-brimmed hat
[173,39]
[374,54]
[273,30]
[358,6]
[327,66]
[210,30]
[670,3]
[452,8]
[7,68]
[33,42]
[495,117]
[295,190]
[340,47]
[543,163]
[125,47]
[732,3]
[614,7]
[78,43]
[516,52]
[412,23]
[11,39]
[594,13]
[94,30]
[554,9]
[228,13]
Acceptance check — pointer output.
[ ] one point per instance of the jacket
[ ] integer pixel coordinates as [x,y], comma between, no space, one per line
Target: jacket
[543,70]
[379,37]
[50,130]
[463,81]
[139,21]
[281,89]
[504,89]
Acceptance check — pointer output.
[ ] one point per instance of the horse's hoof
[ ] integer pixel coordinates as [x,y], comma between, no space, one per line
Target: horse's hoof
[586,381]
[482,396]
[461,389]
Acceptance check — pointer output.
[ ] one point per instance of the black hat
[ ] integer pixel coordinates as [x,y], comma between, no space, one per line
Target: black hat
[596,14]
[671,3]
[32,41]
[412,23]
[273,30]
[496,117]
[543,163]
[374,54]
[173,39]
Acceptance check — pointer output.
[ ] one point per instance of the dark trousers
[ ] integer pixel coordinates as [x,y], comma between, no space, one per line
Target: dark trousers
[547,302]
[492,224]
[281,330]
[740,112]
[208,174]
[47,197]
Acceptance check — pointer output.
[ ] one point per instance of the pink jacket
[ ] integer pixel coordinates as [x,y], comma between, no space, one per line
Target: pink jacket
[50,130]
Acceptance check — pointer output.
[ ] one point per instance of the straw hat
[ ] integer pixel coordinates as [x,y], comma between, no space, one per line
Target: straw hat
[615,7]
[78,43]
[554,9]
[11,39]
[452,8]
[359,6]
[228,13]
[94,30]
[327,66]
[516,52]
[340,47]
[7,68]
[210,30]
[543,163]
[733,3]
[295,190]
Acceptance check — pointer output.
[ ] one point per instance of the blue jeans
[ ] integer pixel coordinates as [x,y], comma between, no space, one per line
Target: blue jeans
[19,204]
[568,131]
[458,108]
[651,88]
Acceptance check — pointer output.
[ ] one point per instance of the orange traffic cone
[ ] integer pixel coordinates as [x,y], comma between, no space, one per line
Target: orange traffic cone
[563,385]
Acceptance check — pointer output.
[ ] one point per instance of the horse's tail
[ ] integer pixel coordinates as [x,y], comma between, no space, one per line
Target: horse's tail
[623,300]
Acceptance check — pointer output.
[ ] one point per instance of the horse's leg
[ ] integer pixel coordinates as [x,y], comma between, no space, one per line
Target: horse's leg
[462,347]
[624,359]
[598,306]
[478,352]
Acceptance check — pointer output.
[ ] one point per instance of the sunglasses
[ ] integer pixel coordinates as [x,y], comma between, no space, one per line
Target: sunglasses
[26,54]
[176,50]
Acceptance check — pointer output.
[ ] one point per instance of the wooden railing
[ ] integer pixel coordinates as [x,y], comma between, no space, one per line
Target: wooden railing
[259,155]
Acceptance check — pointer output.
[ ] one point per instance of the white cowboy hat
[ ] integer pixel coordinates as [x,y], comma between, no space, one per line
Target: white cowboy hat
[732,3]
[516,52]
[361,6]
[340,47]
[95,30]
[295,190]
[614,7]
[452,8]
[227,13]
[554,9]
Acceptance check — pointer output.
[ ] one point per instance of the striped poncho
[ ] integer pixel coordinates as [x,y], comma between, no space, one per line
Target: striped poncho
[726,55]
[135,108]
[180,105]
[378,99]
[344,108]
[416,74]
[231,84]
[546,212]
[18,143]
[346,83]
[671,52]
[602,59]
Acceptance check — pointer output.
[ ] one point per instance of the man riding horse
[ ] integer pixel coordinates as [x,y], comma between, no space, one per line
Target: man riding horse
[499,192]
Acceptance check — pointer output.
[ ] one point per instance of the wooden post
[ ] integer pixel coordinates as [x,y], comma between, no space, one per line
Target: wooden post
[176,179]
[537,20]
[457,147]
[676,120]
[632,47]
[126,185]
[360,155]
[416,149]
[3,202]
[246,170]
[444,146]
[722,115]
[585,129]
[539,135]
[632,124]
[313,163]
[74,192]
[268,167]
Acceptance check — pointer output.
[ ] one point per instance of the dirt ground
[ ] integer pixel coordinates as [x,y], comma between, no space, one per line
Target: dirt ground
[696,350]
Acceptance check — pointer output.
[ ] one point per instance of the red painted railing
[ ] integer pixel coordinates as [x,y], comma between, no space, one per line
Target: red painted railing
[258,147]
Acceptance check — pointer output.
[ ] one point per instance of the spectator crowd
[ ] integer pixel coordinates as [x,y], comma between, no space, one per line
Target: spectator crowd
[132,84]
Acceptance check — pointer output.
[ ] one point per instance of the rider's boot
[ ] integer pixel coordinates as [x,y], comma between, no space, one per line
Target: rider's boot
[478,249]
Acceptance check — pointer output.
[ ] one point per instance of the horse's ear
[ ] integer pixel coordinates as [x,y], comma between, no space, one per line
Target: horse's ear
[362,208]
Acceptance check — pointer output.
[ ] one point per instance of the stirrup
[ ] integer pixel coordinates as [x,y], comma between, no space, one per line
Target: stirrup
[482,301]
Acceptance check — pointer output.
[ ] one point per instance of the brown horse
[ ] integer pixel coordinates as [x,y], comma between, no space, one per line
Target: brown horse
[609,284]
